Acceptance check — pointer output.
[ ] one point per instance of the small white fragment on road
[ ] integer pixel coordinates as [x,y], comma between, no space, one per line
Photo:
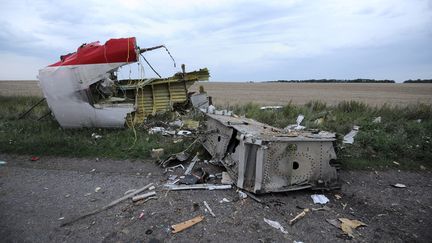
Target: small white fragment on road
[152,188]
[61,218]
[2,162]
[93,170]
[399,185]
[67,195]
[97,189]
[319,199]
[224,200]
[87,194]
[275,225]
[242,195]
[209,209]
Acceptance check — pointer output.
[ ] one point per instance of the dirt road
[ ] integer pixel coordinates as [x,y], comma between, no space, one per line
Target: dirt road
[35,196]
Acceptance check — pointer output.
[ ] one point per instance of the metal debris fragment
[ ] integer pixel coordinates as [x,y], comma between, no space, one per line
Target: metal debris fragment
[349,138]
[209,209]
[173,187]
[276,225]
[319,198]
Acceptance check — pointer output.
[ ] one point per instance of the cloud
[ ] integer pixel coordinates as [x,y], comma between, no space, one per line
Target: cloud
[225,35]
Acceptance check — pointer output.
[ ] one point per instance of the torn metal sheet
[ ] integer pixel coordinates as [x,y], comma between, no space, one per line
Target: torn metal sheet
[261,158]
[82,89]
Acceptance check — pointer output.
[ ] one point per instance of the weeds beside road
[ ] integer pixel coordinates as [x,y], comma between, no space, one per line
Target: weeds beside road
[403,135]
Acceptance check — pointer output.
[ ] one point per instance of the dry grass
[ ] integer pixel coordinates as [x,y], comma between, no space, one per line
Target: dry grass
[225,93]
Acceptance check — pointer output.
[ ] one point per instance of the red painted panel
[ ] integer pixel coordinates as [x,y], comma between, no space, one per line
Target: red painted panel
[114,50]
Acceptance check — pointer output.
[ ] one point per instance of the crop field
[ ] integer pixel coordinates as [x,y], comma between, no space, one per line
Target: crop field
[229,94]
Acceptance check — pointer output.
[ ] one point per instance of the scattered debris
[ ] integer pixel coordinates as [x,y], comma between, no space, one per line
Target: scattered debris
[184,133]
[271,107]
[349,138]
[226,179]
[143,196]
[93,170]
[419,120]
[298,216]
[319,121]
[422,167]
[2,162]
[108,206]
[275,225]
[319,198]
[61,218]
[377,120]
[141,215]
[197,187]
[396,163]
[176,123]
[224,200]
[191,124]
[67,195]
[180,157]
[96,136]
[209,209]
[334,222]
[97,189]
[399,185]
[296,127]
[34,158]
[191,165]
[157,153]
[186,224]
[337,196]
[242,195]
[155,130]
[347,225]
[152,188]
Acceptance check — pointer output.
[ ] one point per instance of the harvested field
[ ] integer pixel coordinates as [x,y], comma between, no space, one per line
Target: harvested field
[331,93]
[230,93]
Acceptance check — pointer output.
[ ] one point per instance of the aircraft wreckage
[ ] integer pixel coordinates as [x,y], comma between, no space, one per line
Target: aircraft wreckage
[82,90]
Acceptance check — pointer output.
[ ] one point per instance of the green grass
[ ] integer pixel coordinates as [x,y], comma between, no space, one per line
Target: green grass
[399,137]
[46,137]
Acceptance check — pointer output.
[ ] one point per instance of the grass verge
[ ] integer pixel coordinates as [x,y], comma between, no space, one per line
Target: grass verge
[403,135]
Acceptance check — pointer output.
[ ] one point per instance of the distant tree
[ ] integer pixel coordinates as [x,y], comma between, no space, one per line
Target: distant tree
[418,81]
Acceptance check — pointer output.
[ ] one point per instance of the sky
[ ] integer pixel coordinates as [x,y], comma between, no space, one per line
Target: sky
[237,40]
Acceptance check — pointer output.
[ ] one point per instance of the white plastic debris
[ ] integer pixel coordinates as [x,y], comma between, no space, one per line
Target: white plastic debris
[349,138]
[176,123]
[152,188]
[275,225]
[298,126]
[155,130]
[2,162]
[377,120]
[399,185]
[209,209]
[211,109]
[242,195]
[96,136]
[224,200]
[319,198]
[97,189]
[271,107]
[184,133]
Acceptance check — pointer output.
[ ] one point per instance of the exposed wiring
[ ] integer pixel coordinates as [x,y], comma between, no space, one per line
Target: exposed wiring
[150,66]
